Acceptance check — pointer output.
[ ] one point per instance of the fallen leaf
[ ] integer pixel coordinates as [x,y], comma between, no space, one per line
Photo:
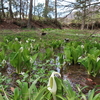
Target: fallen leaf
[12,89]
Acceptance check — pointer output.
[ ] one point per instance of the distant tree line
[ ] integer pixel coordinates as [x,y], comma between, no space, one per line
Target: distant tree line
[86,11]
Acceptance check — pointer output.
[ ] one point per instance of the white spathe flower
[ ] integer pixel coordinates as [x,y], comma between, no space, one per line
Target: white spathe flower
[32,40]
[80,57]
[21,49]
[20,42]
[3,62]
[22,73]
[52,86]
[27,41]
[31,46]
[98,59]
[96,42]
[31,60]
[16,39]
[82,46]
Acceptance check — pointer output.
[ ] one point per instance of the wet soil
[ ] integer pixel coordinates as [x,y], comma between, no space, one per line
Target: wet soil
[77,74]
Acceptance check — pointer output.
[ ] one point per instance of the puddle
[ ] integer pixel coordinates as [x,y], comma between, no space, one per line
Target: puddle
[77,74]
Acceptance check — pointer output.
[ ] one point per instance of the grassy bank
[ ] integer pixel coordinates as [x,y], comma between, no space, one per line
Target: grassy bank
[52,34]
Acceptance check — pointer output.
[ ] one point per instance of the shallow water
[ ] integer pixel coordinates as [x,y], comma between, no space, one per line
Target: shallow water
[77,74]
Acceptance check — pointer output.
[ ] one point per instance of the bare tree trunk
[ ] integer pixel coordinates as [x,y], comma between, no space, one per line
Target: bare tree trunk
[2,8]
[10,9]
[20,8]
[30,14]
[83,16]
[34,7]
[83,23]
[56,11]
[87,26]
[27,9]
[23,3]
[46,9]
[92,26]
[16,10]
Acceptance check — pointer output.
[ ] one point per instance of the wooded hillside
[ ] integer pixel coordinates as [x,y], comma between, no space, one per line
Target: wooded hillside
[25,13]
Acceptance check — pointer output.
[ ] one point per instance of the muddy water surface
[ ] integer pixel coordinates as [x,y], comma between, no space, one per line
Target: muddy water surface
[77,74]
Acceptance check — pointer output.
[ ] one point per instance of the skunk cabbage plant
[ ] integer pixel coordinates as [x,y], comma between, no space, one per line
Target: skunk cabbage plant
[52,85]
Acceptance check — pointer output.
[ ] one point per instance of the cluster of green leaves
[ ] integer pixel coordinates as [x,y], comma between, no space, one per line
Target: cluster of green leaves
[92,64]
[32,56]
[87,54]
[73,52]
[91,61]
[22,58]
[26,92]
[64,92]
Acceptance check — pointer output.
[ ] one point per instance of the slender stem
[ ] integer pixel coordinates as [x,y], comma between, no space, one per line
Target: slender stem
[5,93]
[54,97]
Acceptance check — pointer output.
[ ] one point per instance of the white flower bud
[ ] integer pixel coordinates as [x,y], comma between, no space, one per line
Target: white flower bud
[31,46]
[27,41]
[3,62]
[20,42]
[96,42]
[80,57]
[22,73]
[16,39]
[98,58]
[32,40]
[31,60]
[82,46]
[21,49]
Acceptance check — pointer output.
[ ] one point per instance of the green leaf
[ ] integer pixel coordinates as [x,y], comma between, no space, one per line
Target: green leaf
[60,97]
[33,84]
[24,90]
[40,93]
[16,94]
[91,94]
[34,57]
[97,97]
[61,59]
[59,87]
[1,98]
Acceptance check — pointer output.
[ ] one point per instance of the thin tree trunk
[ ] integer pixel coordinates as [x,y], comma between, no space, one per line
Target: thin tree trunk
[34,7]
[27,9]
[23,9]
[10,9]
[2,8]
[30,14]
[87,26]
[56,11]
[92,26]
[46,9]
[20,8]
[84,15]
[83,23]
[15,15]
